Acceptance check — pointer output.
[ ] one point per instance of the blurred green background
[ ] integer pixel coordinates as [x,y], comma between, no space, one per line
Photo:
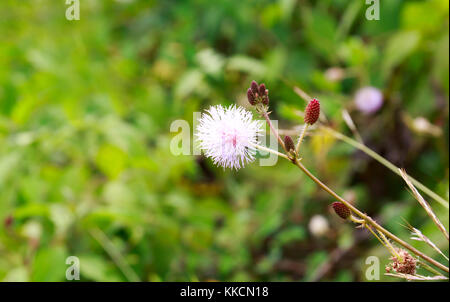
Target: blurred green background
[85,114]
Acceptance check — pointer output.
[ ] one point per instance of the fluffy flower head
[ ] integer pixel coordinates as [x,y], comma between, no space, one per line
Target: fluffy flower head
[227,135]
[406,265]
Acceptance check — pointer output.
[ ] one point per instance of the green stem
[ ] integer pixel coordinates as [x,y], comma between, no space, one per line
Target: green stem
[272,128]
[373,154]
[429,268]
[302,135]
[256,146]
[114,254]
[386,163]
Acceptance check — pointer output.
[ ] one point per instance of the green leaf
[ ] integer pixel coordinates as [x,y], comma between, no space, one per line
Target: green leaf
[49,265]
[398,48]
[111,160]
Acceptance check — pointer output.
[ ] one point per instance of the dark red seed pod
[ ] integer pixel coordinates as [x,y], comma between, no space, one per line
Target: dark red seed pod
[251,97]
[262,89]
[254,87]
[312,112]
[289,143]
[341,210]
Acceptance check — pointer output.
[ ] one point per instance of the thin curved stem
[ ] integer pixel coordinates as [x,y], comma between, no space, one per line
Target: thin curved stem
[386,163]
[114,254]
[429,268]
[272,128]
[262,148]
[369,220]
[302,136]
[372,153]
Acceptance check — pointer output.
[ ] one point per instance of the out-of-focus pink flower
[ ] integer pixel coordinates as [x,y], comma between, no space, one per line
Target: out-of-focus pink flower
[368,100]
[228,135]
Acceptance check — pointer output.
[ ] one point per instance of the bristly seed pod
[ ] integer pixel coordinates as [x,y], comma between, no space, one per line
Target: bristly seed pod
[312,112]
[254,87]
[251,97]
[341,210]
[289,143]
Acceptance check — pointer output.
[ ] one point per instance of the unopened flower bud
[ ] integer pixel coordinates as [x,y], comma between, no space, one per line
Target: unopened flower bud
[341,210]
[254,87]
[258,94]
[289,143]
[251,97]
[312,112]
[262,89]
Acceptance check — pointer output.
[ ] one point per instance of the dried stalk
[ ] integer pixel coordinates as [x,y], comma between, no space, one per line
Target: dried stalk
[423,203]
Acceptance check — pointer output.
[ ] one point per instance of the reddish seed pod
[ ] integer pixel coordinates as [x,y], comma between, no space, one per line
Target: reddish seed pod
[312,112]
[289,143]
[254,87]
[341,210]
[251,97]
[262,89]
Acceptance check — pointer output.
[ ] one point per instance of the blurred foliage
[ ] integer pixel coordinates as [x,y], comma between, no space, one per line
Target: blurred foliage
[85,112]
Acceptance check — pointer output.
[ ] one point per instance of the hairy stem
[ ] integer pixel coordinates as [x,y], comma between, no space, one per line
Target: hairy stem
[262,148]
[302,135]
[274,131]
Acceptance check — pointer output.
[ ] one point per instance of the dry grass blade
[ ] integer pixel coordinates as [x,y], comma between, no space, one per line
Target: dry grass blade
[416,277]
[423,203]
[349,121]
[421,237]
[358,145]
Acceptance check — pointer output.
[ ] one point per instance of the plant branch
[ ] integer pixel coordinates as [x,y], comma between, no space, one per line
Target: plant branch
[272,128]
[302,135]
[262,148]
[385,162]
[369,220]
[371,153]
[424,204]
